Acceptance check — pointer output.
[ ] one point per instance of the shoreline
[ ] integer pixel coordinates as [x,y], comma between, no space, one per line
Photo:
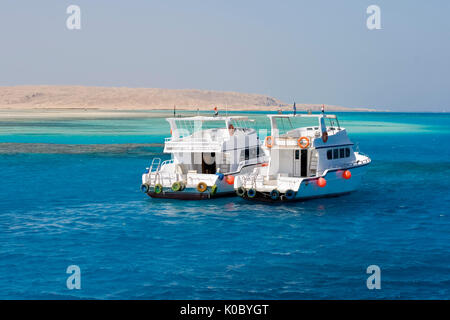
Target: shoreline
[101,113]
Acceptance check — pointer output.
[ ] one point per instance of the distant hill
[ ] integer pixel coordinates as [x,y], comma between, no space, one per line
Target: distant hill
[121,98]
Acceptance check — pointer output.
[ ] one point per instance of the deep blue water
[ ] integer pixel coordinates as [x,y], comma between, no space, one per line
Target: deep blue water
[86,209]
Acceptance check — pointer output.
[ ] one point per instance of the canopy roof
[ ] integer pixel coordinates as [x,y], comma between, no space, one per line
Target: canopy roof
[210,118]
[302,115]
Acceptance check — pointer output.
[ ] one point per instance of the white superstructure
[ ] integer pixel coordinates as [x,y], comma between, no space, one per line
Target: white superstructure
[207,153]
[310,156]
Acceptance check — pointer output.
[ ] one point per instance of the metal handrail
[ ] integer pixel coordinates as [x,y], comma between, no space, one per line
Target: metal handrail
[157,162]
[191,140]
[167,162]
[285,140]
[364,161]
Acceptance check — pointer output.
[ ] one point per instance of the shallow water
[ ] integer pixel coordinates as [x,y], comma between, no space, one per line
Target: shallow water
[63,207]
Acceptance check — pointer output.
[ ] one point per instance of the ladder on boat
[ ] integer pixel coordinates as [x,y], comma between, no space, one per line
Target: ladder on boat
[156,164]
[153,170]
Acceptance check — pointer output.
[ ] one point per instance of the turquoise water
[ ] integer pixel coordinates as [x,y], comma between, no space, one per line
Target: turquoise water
[62,208]
[153,129]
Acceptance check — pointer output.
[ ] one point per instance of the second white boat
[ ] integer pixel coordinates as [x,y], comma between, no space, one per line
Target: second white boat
[308,159]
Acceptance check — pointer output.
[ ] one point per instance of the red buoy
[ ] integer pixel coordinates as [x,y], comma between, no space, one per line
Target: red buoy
[321,182]
[229,179]
[347,174]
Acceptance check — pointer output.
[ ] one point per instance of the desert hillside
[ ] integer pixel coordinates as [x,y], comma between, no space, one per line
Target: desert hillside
[121,98]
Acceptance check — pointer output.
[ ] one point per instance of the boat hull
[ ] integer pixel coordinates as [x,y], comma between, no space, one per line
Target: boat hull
[266,198]
[190,195]
[309,189]
[191,192]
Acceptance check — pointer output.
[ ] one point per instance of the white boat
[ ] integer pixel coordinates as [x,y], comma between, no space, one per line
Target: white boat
[311,156]
[207,153]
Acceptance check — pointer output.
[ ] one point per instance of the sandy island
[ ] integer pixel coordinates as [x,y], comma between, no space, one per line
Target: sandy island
[46,102]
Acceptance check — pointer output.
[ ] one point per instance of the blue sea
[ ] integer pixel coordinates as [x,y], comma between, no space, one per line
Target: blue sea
[78,203]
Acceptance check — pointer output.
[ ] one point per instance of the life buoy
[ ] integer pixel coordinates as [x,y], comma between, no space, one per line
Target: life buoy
[274,194]
[240,191]
[201,187]
[158,188]
[251,193]
[325,137]
[290,194]
[269,141]
[176,186]
[300,144]
[144,188]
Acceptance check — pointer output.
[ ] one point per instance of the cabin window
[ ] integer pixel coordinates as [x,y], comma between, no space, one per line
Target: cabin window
[347,152]
[247,153]
[335,153]
[342,153]
[297,154]
[329,154]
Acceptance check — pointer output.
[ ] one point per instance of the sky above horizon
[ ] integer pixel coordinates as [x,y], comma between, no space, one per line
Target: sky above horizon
[304,51]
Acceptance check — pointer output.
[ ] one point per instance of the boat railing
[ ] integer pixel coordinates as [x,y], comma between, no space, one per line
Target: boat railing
[362,161]
[156,164]
[167,162]
[191,140]
[200,144]
[154,172]
[249,180]
[165,179]
[290,141]
[243,163]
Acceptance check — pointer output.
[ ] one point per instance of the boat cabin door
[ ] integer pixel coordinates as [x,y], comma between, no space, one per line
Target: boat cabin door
[300,162]
[209,162]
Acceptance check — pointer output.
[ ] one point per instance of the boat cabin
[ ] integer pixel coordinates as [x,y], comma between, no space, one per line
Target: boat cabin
[300,145]
[212,144]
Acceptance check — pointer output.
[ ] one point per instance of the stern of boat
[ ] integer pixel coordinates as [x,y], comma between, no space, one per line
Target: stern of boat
[168,182]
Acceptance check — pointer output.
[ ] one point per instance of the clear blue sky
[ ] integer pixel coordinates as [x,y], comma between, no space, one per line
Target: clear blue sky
[308,51]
